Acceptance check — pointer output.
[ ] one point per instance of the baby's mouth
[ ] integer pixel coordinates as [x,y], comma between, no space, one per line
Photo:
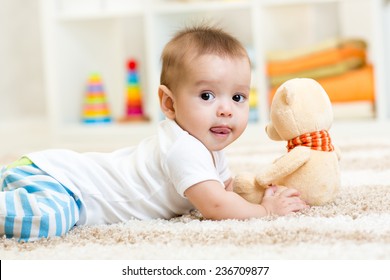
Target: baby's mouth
[222,130]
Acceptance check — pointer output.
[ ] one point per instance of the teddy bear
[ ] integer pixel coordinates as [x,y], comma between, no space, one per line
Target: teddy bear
[300,114]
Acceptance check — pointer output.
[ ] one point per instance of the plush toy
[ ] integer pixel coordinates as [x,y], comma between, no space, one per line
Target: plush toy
[301,114]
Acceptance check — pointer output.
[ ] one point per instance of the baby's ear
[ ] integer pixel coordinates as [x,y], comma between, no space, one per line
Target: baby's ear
[166,102]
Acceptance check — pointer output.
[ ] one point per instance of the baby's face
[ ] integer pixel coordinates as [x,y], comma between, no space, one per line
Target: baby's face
[211,101]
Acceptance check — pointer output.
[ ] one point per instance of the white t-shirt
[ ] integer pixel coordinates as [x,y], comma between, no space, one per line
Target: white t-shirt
[144,182]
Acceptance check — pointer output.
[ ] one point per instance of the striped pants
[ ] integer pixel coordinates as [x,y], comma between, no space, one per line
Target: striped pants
[33,204]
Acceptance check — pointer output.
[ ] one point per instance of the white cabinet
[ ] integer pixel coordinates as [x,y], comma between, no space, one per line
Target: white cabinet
[84,36]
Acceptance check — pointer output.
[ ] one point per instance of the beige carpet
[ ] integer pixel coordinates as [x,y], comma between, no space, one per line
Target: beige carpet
[355,226]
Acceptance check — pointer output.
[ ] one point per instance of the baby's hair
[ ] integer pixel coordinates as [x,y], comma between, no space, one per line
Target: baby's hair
[192,42]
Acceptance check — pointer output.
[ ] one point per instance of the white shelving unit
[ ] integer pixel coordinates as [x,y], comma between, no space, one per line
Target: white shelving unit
[84,36]
[386,24]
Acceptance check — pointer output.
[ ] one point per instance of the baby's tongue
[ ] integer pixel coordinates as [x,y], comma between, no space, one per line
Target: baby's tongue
[220,130]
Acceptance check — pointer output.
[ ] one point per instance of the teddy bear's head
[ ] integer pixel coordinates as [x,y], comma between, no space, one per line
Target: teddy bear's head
[299,106]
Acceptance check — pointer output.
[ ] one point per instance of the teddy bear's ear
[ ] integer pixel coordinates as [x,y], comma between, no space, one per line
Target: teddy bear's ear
[288,95]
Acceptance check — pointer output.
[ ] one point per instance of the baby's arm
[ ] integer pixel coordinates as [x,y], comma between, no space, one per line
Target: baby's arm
[229,184]
[216,203]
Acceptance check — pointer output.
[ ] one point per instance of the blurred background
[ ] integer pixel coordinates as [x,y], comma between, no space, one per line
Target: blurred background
[54,55]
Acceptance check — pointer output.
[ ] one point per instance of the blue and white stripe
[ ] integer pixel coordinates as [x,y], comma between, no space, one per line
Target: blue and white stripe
[34,205]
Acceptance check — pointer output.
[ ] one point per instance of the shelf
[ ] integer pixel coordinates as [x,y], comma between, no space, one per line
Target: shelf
[108,9]
[270,3]
[84,36]
[172,7]
[97,9]
[386,23]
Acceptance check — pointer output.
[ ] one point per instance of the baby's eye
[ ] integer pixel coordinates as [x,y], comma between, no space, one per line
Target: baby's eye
[239,98]
[207,95]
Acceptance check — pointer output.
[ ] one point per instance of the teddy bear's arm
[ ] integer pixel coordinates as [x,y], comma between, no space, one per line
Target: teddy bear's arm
[283,166]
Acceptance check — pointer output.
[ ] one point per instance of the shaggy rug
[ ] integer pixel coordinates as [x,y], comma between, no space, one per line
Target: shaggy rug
[355,226]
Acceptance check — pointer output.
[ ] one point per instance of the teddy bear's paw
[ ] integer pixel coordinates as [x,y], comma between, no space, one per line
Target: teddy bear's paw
[245,186]
[262,181]
[244,183]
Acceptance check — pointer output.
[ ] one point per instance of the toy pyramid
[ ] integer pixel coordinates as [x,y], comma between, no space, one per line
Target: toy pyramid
[133,95]
[253,105]
[95,109]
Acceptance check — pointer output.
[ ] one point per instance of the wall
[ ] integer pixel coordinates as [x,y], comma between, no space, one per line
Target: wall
[21,69]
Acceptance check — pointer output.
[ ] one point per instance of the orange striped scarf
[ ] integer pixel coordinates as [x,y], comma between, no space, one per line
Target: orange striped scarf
[318,140]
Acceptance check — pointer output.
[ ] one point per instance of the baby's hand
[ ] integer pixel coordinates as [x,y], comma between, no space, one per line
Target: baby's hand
[280,200]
